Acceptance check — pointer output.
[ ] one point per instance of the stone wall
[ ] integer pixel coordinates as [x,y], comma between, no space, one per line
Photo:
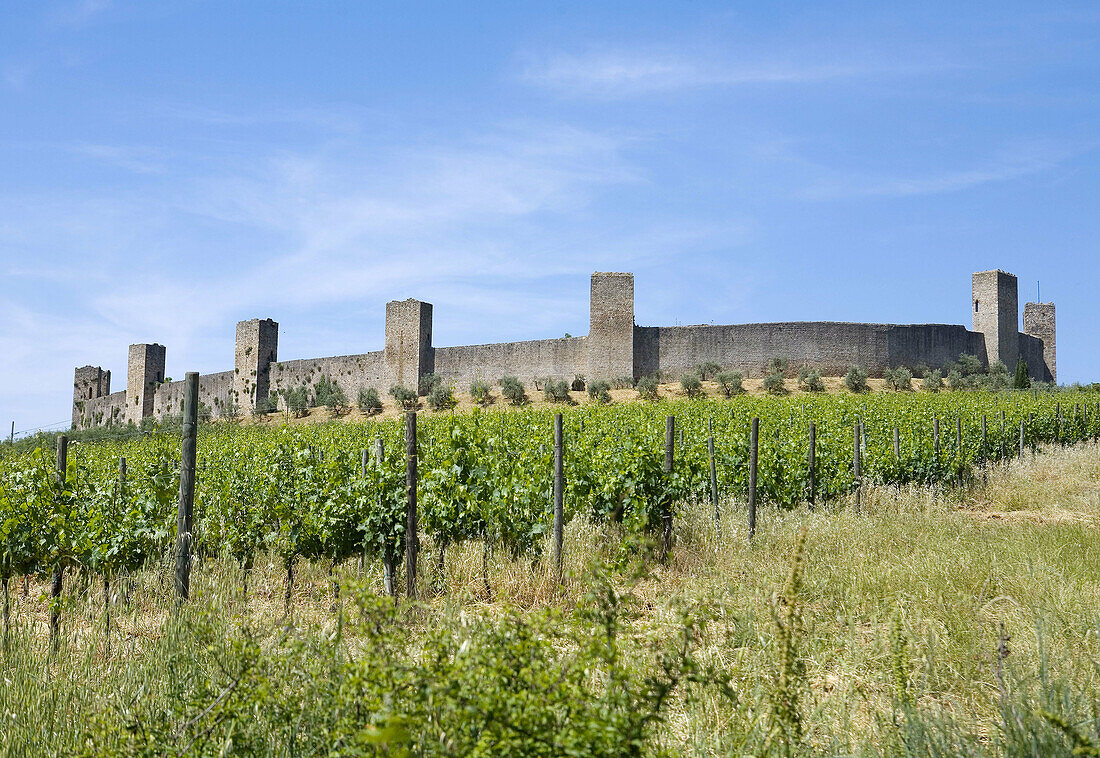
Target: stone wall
[144,371]
[107,410]
[531,361]
[89,383]
[1039,322]
[611,326]
[215,391]
[350,372]
[996,314]
[1033,353]
[256,347]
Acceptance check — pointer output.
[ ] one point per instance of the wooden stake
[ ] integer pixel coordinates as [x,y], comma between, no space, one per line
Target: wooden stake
[412,541]
[754,443]
[185,510]
[559,495]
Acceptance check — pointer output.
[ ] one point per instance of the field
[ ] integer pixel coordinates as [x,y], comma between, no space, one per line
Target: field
[942,603]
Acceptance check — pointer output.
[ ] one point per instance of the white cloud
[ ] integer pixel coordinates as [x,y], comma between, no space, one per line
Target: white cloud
[1010,162]
[615,74]
[78,12]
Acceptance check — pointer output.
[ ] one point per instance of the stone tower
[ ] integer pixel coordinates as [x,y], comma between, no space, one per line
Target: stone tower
[1039,322]
[257,348]
[997,315]
[610,340]
[408,352]
[144,371]
[90,382]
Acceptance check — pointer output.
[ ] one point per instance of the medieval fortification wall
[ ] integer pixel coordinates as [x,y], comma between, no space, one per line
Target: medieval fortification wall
[615,348]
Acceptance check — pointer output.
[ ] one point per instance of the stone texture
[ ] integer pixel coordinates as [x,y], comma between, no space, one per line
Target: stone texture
[614,348]
[996,312]
[145,370]
[256,348]
[89,383]
[610,340]
[1039,322]
[408,351]
[530,361]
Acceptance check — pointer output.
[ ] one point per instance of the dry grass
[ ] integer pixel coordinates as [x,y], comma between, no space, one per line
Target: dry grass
[952,565]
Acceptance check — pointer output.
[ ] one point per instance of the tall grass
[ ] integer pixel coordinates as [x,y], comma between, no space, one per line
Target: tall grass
[934,622]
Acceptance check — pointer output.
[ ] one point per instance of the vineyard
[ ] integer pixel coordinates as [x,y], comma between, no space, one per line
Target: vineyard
[339,491]
[303,502]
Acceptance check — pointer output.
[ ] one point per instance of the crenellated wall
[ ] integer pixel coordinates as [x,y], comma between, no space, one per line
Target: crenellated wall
[614,348]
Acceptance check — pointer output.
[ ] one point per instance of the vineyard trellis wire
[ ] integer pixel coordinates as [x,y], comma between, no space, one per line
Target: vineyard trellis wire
[316,493]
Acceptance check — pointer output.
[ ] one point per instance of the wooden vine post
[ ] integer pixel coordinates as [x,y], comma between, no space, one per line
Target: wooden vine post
[856,469]
[185,511]
[666,511]
[412,542]
[559,495]
[811,465]
[754,445]
[713,479]
[58,574]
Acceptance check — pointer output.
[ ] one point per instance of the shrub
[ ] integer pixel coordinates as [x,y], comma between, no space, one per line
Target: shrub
[1021,381]
[856,379]
[969,365]
[707,368]
[778,366]
[513,391]
[329,394]
[229,410]
[297,400]
[809,380]
[773,383]
[647,388]
[623,383]
[729,382]
[578,383]
[427,383]
[932,381]
[406,398]
[368,400]
[956,380]
[556,391]
[692,385]
[599,391]
[482,392]
[442,398]
[269,404]
[900,379]
[998,377]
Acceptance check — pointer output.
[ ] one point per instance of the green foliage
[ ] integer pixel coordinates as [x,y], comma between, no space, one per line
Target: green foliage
[956,381]
[778,366]
[932,381]
[856,379]
[513,390]
[729,382]
[599,391]
[368,400]
[329,394]
[899,379]
[969,365]
[647,388]
[442,398]
[556,391]
[692,385]
[809,380]
[707,369]
[773,383]
[406,398]
[427,383]
[482,392]
[790,685]
[297,400]
[1021,381]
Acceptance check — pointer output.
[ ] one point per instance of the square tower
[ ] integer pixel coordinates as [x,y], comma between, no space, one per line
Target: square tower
[408,352]
[90,382]
[610,340]
[145,370]
[257,348]
[1039,322]
[997,315]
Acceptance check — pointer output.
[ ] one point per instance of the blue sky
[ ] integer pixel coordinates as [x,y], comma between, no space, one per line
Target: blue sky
[169,168]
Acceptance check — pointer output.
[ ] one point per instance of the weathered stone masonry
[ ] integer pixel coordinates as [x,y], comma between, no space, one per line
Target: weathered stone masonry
[615,348]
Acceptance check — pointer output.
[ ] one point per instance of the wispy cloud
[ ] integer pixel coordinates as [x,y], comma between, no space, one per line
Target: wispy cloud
[1010,162]
[627,73]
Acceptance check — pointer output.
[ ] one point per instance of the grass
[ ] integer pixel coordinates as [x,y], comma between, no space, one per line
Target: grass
[925,619]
